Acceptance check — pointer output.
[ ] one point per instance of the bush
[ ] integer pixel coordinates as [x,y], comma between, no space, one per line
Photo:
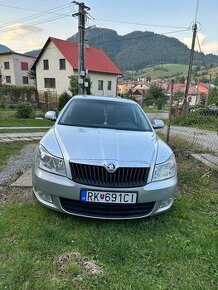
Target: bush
[24,110]
[196,120]
[64,98]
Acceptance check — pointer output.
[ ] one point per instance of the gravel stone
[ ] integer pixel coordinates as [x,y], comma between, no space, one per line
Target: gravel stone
[18,165]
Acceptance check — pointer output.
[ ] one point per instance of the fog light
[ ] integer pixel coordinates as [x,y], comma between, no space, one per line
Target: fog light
[165,203]
[44,196]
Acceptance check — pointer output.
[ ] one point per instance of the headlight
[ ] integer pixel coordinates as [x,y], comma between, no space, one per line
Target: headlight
[48,162]
[165,170]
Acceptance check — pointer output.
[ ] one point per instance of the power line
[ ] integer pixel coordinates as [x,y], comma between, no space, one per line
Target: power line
[202,55]
[34,23]
[143,24]
[32,16]
[96,22]
[22,8]
[196,11]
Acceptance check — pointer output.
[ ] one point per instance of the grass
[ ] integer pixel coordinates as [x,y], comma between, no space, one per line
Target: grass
[153,109]
[176,250]
[161,71]
[170,70]
[8,119]
[7,113]
[197,120]
[23,130]
[16,122]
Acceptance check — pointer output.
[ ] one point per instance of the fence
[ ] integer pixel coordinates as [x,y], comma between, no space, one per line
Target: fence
[11,96]
[47,100]
[196,132]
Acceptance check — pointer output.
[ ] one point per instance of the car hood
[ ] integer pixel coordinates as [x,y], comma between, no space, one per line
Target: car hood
[96,146]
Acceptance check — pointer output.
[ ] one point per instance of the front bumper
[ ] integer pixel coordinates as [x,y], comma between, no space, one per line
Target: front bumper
[62,194]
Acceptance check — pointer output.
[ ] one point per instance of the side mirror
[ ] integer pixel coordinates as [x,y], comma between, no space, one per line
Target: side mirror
[158,124]
[51,115]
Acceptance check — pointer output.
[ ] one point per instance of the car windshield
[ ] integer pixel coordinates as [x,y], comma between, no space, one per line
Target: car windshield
[105,114]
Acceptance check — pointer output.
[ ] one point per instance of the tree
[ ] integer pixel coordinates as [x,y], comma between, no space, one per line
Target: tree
[216,80]
[213,96]
[32,75]
[178,96]
[158,96]
[148,79]
[64,98]
[74,86]
[180,79]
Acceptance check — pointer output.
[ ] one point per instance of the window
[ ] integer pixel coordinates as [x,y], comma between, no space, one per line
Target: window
[6,65]
[109,85]
[100,85]
[8,79]
[49,82]
[62,63]
[25,80]
[45,64]
[24,65]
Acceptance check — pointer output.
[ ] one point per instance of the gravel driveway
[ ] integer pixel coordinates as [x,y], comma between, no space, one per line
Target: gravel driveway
[16,166]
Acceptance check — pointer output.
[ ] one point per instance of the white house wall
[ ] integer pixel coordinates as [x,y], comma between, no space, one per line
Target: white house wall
[7,72]
[18,73]
[52,54]
[95,77]
[15,71]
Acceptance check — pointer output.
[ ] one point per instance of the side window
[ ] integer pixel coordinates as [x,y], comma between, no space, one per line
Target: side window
[45,64]
[8,79]
[25,80]
[6,65]
[49,83]
[24,65]
[100,85]
[62,64]
[109,85]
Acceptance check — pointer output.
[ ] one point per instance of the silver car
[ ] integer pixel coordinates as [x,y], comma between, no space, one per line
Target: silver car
[103,159]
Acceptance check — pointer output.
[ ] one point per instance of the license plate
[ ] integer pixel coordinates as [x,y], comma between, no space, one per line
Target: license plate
[108,197]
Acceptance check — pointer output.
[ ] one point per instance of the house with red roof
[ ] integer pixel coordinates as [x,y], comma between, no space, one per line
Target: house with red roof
[58,60]
[193,94]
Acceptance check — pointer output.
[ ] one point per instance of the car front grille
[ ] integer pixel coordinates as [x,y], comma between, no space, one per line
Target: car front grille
[102,210]
[98,176]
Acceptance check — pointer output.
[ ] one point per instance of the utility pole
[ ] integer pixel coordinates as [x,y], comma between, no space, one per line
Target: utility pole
[170,111]
[81,48]
[206,103]
[185,103]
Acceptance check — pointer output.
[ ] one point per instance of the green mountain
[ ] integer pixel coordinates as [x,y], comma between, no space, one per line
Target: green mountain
[33,53]
[138,49]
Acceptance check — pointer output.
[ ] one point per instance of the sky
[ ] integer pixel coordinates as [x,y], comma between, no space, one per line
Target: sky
[25,24]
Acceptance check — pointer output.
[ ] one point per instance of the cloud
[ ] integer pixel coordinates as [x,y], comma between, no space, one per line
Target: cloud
[36,43]
[17,36]
[211,47]
[206,47]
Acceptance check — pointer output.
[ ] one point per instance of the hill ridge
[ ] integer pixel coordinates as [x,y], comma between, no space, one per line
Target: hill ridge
[139,49]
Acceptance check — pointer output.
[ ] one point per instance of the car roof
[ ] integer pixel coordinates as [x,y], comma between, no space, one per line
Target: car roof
[114,99]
